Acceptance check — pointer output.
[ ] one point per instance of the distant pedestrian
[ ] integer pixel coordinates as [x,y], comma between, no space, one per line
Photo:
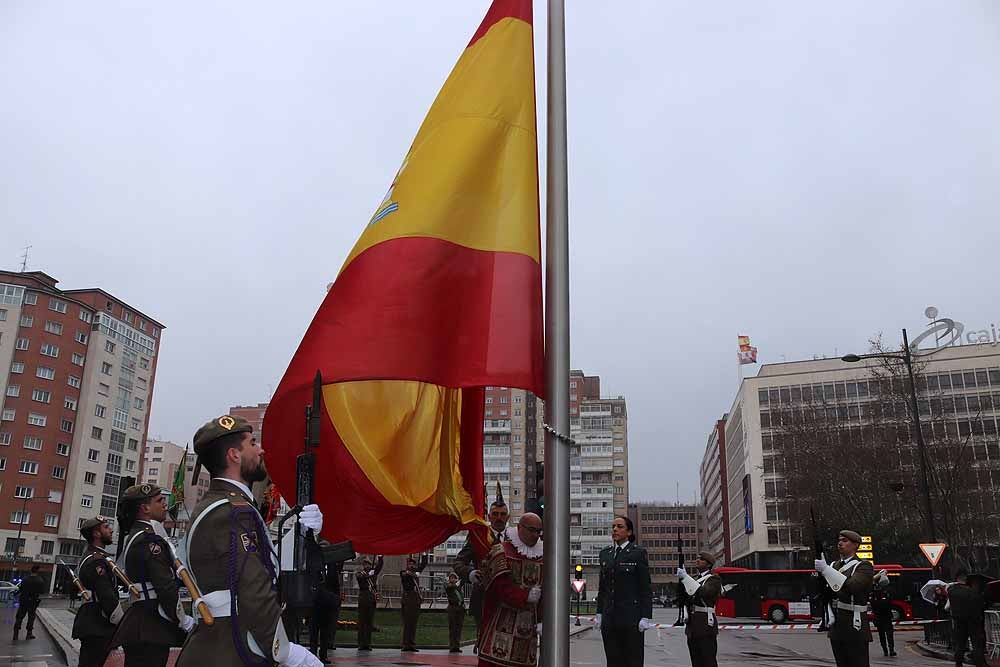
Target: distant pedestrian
[456,613]
[882,609]
[29,597]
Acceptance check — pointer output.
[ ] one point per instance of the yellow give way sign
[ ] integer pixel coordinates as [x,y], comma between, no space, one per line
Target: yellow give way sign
[933,551]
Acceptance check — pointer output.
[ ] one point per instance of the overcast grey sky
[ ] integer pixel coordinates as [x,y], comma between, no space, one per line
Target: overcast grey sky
[804,173]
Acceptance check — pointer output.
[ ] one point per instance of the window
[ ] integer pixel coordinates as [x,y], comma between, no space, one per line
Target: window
[85,316]
[45,373]
[31,442]
[103,389]
[50,350]
[87,501]
[28,467]
[30,298]
[62,449]
[115,463]
[66,425]
[100,410]
[143,361]
[41,396]
[139,403]
[58,472]
[69,403]
[51,521]
[129,465]
[14,390]
[3,464]
[73,381]
[54,327]
[7,415]
[106,368]
[127,316]
[136,423]
[133,445]
[96,433]
[80,338]
[57,305]
[27,321]
[21,518]
[35,419]
[48,546]
[157,450]
[93,455]
[3,314]
[17,367]
[153,471]
[90,478]
[24,492]
[78,359]
[5,439]
[22,344]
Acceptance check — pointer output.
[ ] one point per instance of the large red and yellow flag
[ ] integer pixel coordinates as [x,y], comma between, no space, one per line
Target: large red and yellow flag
[440,297]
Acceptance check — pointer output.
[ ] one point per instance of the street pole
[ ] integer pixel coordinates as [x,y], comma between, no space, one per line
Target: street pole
[556,588]
[20,525]
[921,446]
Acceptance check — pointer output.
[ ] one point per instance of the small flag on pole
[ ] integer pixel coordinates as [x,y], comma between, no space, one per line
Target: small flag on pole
[746,353]
[177,490]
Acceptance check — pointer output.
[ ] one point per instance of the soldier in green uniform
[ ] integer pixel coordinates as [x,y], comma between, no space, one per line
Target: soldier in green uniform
[851,580]
[624,596]
[456,613]
[156,621]
[467,562]
[229,554]
[411,601]
[367,577]
[96,619]
[29,596]
[702,627]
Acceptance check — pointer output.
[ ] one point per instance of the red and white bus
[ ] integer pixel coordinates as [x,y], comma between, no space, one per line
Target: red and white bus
[783,595]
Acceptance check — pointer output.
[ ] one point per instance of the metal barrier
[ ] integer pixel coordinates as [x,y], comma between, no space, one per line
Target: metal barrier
[992,634]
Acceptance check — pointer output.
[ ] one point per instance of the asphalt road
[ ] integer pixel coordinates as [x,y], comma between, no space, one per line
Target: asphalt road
[38,652]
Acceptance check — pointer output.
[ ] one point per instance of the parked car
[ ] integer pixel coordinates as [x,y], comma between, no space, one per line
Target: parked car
[9,586]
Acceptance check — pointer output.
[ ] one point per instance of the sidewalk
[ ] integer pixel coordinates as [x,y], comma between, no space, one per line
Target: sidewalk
[58,620]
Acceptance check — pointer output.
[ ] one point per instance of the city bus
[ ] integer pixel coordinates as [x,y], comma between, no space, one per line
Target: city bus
[783,595]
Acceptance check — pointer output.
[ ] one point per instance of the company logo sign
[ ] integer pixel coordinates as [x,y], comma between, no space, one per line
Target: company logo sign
[947,332]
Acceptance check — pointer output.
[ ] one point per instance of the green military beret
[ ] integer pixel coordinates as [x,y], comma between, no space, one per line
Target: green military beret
[707,556]
[851,535]
[87,525]
[217,428]
[141,492]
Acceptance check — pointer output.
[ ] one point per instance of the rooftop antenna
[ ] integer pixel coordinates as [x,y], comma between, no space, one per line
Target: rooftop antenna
[24,259]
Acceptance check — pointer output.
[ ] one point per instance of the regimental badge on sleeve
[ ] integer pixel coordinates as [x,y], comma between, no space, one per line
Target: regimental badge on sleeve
[249,541]
[155,548]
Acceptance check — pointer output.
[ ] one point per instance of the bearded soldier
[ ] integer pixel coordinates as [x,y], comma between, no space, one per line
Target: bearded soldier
[156,621]
[231,559]
[96,618]
[702,628]
[850,578]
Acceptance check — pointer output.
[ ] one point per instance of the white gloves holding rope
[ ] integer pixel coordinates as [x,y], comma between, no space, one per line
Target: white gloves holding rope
[311,517]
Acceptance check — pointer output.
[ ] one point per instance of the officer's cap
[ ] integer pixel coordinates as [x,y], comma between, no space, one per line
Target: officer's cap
[140,492]
[90,524]
[210,432]
[851,535]
[707,556]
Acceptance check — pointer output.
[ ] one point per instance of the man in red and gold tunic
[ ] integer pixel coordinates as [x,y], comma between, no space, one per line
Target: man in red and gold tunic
[512,579]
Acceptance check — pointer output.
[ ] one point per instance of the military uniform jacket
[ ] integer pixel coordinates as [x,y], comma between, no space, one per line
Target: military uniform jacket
[624,594]
[368,579]
[465,562]
[99,616]
[855,590]
[230,557]
[153,618]
[703,623]
[409,580]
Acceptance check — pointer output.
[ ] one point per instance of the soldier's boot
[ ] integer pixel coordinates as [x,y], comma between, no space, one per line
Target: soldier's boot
[16,631]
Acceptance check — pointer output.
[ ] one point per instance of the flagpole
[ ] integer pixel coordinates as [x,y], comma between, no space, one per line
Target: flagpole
[556,589]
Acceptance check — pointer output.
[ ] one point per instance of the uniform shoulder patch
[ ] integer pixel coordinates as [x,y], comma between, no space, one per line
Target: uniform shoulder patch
[155,549]
[100,570]
[249,541]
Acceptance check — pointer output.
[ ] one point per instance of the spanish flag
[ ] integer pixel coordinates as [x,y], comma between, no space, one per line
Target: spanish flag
[440,297]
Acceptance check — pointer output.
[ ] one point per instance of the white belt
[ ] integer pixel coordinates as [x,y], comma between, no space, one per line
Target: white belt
[858,609]
[706,610]
[218,603]
[147,595]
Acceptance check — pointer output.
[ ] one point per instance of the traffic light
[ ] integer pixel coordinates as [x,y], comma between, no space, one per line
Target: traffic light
[579,571]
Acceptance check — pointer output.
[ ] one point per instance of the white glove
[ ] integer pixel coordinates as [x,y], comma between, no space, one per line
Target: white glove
[298,656]
[311,517]
[538,628]
[646,624]
[475,577]
[534,595]
[186,622]
[820,565]
[681,573]
[597,620]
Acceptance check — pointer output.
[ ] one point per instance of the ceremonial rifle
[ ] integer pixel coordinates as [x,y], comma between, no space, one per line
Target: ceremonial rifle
[824,594]
[682,596]
[84,593]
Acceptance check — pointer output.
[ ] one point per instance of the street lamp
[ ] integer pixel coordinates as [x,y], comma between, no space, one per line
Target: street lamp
[907,359]
[20,525]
